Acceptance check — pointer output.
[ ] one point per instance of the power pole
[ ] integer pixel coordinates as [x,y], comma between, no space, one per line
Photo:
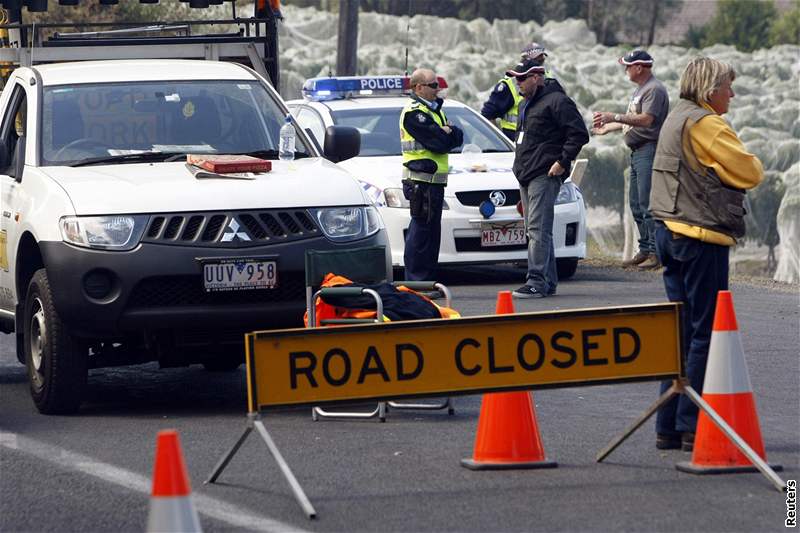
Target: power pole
[346,55]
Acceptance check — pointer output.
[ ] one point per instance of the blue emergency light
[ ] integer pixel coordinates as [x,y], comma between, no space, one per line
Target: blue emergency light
[339,88]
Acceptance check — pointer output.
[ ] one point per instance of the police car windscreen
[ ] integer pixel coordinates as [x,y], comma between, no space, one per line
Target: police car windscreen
[198,116]
[380,129]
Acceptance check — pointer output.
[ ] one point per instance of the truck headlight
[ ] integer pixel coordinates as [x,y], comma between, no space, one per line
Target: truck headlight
[348,223]
[118,232]
[567,194]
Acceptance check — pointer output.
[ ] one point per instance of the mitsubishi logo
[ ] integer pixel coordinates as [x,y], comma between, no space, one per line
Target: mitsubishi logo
[498,198]
[232,232]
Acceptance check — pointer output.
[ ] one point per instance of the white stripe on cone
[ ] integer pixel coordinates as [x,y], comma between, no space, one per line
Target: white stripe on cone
[172,514]
[726,370]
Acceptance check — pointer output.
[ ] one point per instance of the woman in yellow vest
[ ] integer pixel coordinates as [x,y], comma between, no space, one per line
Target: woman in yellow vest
[426,138]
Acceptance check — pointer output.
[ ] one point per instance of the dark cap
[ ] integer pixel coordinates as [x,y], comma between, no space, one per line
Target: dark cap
[533,51]
[528,66]
[636,57]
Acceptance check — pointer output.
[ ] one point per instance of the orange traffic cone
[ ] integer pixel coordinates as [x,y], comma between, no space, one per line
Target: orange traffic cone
[728,391]
[508,435]
[171,507]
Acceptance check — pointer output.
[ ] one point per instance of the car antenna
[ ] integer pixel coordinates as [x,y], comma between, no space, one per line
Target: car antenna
[408,27]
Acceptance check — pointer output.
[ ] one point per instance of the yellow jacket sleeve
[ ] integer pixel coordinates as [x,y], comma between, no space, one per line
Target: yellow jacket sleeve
[716,146]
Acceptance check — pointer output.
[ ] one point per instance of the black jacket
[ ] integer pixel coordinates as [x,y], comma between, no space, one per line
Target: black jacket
[428,133]
[553,131]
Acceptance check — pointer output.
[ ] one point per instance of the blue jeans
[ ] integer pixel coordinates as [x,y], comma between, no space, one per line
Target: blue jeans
[694,271]
[421,254]
[538,205]
[639,195]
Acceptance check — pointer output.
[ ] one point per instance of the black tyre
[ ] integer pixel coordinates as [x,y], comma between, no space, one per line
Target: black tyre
[566,268]
[57,363]
[222,364]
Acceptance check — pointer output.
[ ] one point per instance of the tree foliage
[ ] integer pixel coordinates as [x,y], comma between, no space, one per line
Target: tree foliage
[786,29]
[743,23]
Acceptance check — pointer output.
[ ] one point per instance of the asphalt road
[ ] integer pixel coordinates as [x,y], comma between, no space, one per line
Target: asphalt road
[91,472]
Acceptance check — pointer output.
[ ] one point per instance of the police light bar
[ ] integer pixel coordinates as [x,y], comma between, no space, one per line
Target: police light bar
[339,88]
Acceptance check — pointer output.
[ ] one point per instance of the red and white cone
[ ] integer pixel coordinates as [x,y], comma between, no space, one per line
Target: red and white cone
[171,507]
[728,391]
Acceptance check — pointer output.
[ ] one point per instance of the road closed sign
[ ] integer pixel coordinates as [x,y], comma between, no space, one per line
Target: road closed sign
[463,356]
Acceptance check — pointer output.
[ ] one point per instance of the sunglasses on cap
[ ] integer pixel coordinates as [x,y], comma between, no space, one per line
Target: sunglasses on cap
[432,85]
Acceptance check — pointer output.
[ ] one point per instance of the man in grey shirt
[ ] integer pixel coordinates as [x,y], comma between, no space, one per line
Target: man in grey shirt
[640,126]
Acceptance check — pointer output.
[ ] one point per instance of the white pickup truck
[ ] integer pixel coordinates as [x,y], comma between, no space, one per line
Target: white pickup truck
[113,252]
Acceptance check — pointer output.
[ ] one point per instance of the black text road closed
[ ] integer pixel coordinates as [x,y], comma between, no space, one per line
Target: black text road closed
[460,356]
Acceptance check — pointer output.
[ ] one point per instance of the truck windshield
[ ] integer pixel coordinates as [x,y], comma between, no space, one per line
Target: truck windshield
[380,129]
[82,122]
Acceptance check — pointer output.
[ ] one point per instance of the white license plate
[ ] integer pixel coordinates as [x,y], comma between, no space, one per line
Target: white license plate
[502,234]
[239,275]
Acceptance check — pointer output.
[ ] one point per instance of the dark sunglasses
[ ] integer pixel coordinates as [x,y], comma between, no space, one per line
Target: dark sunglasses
[525,77]
[432,85]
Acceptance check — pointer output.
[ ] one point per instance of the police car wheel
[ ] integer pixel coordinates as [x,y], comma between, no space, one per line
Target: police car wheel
[56,362]
[566,268]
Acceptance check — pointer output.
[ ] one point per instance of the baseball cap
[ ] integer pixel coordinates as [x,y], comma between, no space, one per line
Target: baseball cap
[533,51]
[636,57]
[526,67]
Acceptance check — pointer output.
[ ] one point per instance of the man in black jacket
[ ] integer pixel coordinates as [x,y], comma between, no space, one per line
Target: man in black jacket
[550,133]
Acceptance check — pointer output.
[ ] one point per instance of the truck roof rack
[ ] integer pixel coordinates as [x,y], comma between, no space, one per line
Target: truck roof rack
[251,41]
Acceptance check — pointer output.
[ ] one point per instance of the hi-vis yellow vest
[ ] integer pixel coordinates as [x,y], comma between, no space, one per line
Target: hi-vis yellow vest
[413,151]
[509,120]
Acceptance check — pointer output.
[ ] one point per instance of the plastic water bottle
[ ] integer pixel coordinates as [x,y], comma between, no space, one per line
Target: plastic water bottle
[287,137]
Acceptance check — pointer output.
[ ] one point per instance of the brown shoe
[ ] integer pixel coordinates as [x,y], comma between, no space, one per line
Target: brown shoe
[637,259]
[651,263]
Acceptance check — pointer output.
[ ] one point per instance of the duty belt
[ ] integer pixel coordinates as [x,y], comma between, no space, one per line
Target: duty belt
[440,178]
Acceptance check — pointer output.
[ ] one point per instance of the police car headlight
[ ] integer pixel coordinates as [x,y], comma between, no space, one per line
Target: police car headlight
[119,232]
[395,198]
[567,194]
[348,223]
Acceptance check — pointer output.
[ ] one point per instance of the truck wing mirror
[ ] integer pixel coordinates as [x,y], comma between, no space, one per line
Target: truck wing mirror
[341,143]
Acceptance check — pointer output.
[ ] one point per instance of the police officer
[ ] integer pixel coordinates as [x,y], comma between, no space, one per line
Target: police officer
[504,100]
[426,137]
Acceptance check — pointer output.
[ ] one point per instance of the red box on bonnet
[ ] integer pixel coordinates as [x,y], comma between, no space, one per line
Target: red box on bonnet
[221,163]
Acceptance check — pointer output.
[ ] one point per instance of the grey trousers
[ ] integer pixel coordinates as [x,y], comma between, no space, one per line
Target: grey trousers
[538,203]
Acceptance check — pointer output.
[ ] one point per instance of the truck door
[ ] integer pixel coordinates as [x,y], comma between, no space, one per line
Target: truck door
[12,129]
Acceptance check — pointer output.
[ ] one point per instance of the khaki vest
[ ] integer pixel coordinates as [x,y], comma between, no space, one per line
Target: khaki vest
[413,150]
[685,191]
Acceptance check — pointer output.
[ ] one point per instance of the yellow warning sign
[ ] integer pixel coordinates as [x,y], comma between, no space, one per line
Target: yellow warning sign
[466,355]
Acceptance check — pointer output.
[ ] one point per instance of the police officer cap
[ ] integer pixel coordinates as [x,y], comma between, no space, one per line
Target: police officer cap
[526,68]
[636,57]
[533,51]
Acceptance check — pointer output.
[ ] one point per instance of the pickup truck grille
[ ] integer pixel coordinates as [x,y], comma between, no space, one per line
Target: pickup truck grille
[235,229]
[180,291]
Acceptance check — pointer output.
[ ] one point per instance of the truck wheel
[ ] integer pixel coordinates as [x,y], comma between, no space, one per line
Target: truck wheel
[57,364]
[566,268]
[222,365]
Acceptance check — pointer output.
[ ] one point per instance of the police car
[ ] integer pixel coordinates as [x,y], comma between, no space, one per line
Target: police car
[481,223]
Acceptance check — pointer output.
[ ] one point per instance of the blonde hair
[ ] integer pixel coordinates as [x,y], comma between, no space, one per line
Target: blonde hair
[703,76]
